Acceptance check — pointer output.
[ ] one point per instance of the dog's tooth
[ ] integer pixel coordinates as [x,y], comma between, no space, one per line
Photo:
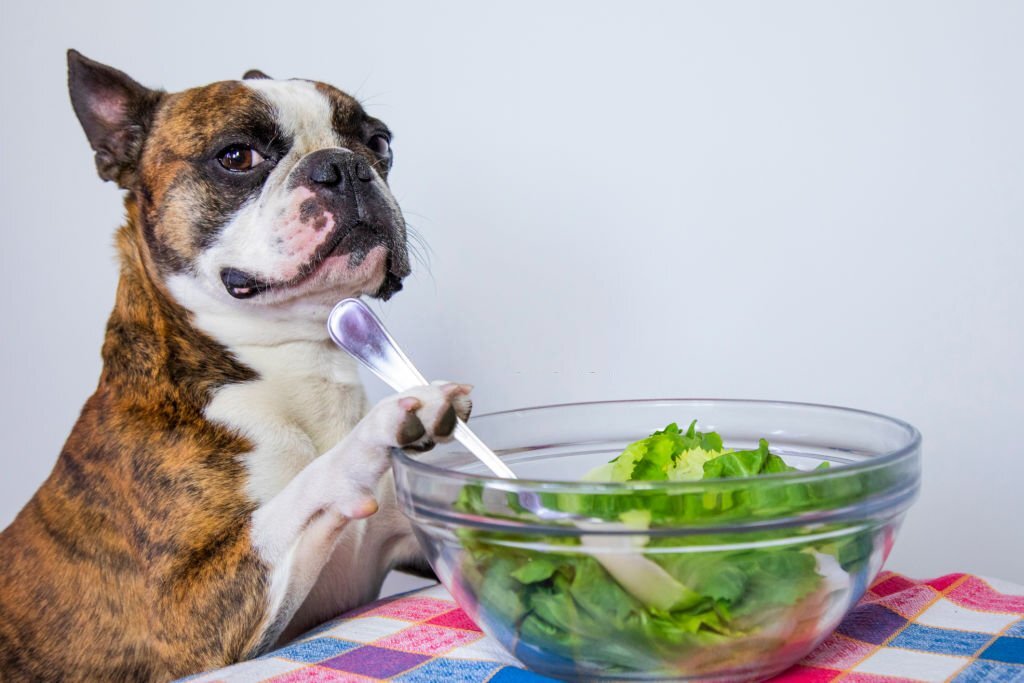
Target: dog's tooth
[242,291]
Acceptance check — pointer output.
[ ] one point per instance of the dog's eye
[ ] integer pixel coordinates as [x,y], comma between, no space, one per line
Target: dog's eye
[380,145]
[239,158]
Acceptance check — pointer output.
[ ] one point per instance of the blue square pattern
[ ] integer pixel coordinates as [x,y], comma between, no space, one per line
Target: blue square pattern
[511,674]
[1016,631]
[940,640]
[450,671]
[315,650]
[1009,650]
[990,672]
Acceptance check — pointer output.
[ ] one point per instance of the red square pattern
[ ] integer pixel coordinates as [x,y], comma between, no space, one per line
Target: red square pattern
[806,674]
[944,582]
[893,584]
[428,639]
[910,602]
[876,678]
[411,609]
[455,619]
[976,594]
[318,674]
[839,652]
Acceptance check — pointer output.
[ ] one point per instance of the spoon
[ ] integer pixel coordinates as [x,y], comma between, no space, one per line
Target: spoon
[355,328]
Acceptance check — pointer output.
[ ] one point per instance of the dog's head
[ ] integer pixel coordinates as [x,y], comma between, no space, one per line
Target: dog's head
[257,192]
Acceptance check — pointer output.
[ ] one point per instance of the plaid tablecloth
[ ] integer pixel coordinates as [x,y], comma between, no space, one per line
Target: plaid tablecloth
[958,627]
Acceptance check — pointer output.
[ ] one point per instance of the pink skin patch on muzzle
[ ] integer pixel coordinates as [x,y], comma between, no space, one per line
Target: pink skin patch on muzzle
[305,228]
[367,276]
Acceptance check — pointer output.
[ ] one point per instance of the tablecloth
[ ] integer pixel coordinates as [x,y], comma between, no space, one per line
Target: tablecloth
[958,627]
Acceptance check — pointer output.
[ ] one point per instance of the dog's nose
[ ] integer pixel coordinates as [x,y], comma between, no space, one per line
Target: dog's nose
[326,171]
[333,168]
[363,171]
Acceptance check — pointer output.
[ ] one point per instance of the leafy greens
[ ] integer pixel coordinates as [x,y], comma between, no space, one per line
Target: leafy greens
[719,599]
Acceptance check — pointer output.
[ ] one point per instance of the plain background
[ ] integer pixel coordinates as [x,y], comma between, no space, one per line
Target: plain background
[787,200]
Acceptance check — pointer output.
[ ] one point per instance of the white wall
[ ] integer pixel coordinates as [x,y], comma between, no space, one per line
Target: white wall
[792,200]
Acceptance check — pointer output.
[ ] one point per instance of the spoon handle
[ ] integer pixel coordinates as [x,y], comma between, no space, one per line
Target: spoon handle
[354,327]
[468,438]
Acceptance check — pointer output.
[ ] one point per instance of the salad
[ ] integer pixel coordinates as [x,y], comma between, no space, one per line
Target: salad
[630,601]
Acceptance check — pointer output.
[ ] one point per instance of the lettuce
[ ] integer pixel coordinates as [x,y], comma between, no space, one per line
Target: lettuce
[666,455]
[717,603]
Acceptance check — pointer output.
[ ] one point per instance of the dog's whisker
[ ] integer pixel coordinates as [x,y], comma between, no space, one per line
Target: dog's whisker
[419,249]
[355,94]
[370,100]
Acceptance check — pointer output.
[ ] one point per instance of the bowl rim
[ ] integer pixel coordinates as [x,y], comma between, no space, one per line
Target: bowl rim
[908,451]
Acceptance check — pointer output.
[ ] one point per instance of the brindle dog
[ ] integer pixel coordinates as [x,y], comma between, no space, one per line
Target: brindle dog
[223,488]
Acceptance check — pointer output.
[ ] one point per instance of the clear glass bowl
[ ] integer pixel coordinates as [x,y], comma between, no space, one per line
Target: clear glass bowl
[792,552]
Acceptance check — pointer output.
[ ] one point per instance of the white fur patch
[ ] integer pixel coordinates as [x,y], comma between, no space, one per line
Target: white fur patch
[307,397]
[302,111]
[326,548]
[240,323]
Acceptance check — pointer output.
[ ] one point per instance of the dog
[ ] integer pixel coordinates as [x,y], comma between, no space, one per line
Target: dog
[227,485]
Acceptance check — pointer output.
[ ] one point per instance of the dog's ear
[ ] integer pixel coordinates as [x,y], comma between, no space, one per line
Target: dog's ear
[254,74]
[115,112]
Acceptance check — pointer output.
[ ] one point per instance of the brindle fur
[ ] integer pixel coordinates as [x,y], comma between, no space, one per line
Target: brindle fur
[134,559]
[138,543]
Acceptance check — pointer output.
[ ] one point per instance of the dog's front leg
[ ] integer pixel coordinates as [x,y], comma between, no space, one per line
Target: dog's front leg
[296,531]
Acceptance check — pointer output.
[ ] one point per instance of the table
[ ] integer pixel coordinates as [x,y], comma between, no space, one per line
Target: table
[957,627]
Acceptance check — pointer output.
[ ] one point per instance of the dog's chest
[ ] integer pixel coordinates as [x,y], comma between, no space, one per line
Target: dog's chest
[307,398]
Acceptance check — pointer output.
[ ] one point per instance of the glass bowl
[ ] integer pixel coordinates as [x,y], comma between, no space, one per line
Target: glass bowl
[729,579]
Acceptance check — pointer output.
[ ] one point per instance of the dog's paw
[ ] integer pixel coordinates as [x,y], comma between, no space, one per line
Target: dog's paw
[419,418]
[415,419]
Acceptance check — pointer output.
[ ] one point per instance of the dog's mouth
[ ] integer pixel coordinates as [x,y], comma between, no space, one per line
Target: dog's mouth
[241,284]
[355,242]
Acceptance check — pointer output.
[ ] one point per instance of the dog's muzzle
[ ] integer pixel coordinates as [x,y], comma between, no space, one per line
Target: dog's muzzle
[343,186]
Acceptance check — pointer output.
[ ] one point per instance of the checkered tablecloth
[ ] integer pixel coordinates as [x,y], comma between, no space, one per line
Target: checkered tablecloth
[958,627]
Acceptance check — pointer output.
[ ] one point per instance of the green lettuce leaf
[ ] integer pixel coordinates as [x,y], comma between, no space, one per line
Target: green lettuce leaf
[567,603]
